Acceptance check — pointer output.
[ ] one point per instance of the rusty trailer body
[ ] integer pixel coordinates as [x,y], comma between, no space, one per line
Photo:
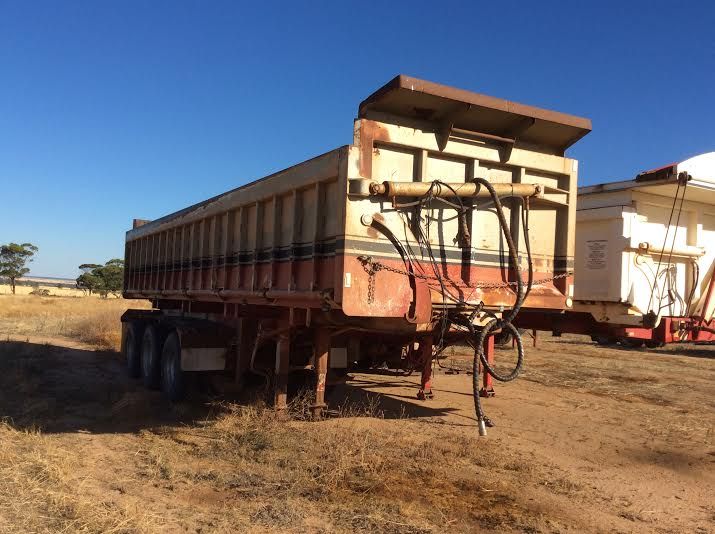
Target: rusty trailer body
[366,249]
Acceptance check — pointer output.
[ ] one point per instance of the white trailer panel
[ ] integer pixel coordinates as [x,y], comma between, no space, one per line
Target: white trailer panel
[648,244]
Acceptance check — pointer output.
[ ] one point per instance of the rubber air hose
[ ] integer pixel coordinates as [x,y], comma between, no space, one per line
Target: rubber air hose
[504,322]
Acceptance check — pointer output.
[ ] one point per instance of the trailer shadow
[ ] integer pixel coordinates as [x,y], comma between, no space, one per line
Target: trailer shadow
[690,350]
[59,389]
[354,397]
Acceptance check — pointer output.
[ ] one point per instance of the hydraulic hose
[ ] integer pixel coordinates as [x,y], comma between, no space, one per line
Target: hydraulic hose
[478,338]
[494,324]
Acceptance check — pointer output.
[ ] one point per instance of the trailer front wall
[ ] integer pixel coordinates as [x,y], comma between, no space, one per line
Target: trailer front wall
[391,152]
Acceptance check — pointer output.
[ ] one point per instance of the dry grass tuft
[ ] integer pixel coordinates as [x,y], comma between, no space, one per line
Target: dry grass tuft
[347,474]
[41,490]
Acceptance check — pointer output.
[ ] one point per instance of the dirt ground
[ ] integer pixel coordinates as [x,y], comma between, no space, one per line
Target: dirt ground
[589,439]
[629,434]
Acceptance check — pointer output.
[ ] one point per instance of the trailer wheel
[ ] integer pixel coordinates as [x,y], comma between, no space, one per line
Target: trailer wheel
[653,344]
[173,379]
[151,357]
[603,340]
[504,338]
[132,348]
[631,342]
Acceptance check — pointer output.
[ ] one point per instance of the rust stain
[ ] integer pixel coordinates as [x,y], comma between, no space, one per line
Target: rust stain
[370,132]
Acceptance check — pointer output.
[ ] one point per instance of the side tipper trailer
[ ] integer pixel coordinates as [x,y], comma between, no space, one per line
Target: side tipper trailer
[450,213]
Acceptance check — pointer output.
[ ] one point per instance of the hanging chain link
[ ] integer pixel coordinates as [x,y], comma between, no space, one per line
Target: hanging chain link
[372,267]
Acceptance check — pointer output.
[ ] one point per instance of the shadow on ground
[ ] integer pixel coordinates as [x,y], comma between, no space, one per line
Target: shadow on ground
[403,405]
[59,389]
[691,350]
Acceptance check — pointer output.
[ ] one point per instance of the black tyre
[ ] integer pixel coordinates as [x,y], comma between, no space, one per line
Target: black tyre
[132,348]
[173,379]
[505,337]
[632,343]
[653,344]
[151,357]
[603,340]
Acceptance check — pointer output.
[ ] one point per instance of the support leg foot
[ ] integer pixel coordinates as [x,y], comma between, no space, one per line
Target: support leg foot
[425,391]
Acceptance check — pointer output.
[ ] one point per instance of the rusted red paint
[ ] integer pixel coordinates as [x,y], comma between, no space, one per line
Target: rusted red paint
[426,356]
[369,132]
[671,330]
[396,294]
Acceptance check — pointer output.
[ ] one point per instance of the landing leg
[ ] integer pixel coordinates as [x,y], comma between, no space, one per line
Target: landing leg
[280,401]
[247,332]
[425,349]
[487,385]
[322,350]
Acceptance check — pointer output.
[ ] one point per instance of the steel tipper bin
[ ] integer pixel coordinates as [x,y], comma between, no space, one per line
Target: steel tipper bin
[645,254]
[388,249]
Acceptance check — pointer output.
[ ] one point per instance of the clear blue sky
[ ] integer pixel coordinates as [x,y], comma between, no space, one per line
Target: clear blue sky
[116,110]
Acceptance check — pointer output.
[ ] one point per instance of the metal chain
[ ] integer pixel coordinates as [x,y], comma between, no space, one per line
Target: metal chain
[371,267]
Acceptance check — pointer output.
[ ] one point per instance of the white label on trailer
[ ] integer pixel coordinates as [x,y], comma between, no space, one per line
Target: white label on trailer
[348,279]
[597,254]
[203,359]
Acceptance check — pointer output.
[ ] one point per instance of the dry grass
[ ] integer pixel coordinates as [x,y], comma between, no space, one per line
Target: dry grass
[42,489]
[243,469]
[114,457]
[225,467]
[354,474]
[89,320]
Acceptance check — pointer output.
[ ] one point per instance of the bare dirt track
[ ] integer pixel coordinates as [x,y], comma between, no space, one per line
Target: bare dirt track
[588,440]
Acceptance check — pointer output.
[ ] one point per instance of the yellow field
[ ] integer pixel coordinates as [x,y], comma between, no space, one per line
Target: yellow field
[5,289]
[90,320]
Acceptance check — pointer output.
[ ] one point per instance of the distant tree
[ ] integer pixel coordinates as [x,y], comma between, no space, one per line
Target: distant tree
[113,275]
[88,280]
[103,279]
[13,258]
